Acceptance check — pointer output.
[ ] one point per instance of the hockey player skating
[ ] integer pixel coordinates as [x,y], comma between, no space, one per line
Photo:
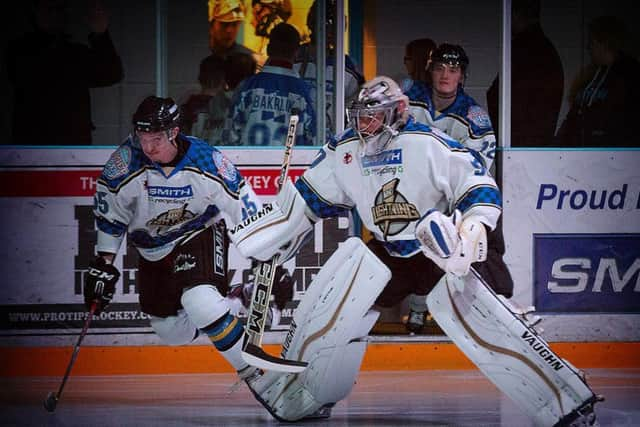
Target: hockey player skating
[442,103]
[419,193]
[168,192]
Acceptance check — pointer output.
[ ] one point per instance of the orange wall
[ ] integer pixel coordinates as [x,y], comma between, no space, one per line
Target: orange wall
[52,361]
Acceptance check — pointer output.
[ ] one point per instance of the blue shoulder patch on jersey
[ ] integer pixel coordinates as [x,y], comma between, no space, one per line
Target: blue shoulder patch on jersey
[468,110]
[210,160]
[127,159]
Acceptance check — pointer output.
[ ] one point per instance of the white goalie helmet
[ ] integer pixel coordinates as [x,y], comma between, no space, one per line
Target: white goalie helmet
[377,114]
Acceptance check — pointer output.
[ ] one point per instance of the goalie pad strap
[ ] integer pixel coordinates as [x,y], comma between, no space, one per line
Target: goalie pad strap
[508,351]
[277,225]
[327,330]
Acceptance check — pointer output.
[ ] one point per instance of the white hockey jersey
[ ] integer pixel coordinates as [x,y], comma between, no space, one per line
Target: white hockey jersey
[134,195]
[420,169]
[464,120]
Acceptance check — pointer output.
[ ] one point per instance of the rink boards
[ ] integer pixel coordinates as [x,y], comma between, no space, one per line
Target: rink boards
[571,225]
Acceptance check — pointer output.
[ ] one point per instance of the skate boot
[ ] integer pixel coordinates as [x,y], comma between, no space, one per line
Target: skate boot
[415,322]
[584,416]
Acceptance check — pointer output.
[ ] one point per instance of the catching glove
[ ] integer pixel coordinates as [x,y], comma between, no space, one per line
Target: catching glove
[100,284]
[451,243]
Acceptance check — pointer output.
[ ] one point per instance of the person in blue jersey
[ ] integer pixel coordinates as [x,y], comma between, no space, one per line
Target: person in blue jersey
[168,193]
[306,67]
[262,104]
[442,103]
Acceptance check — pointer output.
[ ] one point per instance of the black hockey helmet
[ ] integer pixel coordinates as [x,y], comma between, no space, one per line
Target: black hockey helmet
[156,114]
[450,54]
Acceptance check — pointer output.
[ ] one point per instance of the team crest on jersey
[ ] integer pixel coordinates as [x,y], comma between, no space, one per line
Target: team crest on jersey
[391,211]
[348,158]
[168,219]
[184,262]
[479,117]
[118,164]
[226,169]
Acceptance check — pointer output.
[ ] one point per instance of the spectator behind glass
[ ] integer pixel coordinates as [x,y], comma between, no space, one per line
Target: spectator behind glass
[265,15]
[225,19]
[604,97]
[237,68]
[203,113]
[537,80]
[416,58]
[306,67]
[50,76]
[262,103]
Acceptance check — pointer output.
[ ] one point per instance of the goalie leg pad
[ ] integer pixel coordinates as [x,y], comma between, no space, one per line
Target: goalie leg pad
[507,350]
[327,331]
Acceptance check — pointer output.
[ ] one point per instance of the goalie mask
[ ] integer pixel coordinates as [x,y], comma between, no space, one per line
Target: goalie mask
[377,114]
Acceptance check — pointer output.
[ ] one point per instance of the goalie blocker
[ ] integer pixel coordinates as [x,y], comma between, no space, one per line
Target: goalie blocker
[510,352]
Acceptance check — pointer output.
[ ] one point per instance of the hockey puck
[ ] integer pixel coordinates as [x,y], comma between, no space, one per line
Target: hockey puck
[50,402]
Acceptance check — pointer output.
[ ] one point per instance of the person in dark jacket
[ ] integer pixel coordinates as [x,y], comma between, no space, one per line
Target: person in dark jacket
[537,80]
[604,97]
[50,76]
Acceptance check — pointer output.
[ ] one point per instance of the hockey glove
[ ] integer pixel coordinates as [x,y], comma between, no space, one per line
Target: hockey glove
[451,243]
[100,284]
[282,289]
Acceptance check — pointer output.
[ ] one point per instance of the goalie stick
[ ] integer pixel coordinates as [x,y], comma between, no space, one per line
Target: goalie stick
[252,351]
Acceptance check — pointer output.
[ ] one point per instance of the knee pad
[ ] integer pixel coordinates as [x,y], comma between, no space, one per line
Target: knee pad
[204,305]
[175,330]
[209,311]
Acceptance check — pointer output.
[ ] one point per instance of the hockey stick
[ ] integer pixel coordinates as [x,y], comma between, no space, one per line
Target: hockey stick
[51,401]
[252,351]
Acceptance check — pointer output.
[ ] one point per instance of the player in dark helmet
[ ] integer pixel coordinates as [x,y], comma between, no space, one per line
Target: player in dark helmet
[156,114]
[442,103]
[169,193]
[451,54]
[451,58]
[156,123]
